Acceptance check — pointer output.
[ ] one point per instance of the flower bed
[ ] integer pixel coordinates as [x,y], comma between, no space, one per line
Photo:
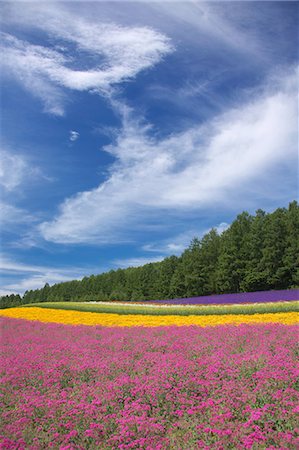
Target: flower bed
[148,388]
[165,310]
[72,317]
[242,297]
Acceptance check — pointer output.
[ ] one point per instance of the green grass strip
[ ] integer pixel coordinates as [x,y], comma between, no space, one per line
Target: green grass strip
[200,310]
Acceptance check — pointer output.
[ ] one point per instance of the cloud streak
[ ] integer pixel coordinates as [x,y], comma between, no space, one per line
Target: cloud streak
[102,56]
[203,165]
[13,170]
[31,276]
[177,244]
[12,216]
[16,170]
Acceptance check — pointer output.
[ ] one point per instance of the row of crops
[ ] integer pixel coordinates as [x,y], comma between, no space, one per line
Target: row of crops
[72,317]
[180,310]
[241,297]
[157,314]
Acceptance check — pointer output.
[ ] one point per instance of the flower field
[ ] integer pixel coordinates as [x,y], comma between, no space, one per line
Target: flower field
[242,297]
[83,387]
[72,317]
[132,376]
[176,309]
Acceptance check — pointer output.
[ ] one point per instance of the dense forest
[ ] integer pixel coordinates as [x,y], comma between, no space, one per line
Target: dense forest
[255,253]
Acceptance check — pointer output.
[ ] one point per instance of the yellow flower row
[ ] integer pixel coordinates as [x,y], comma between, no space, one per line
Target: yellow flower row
[121,320]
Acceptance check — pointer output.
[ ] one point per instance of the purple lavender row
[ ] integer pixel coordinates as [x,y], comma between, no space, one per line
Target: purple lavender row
[243,297]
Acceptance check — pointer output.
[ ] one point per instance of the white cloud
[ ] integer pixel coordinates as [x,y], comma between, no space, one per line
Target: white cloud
[16,173]
[4,292]
[177,244]
[136,262]
[168,248]
[16,170]
[28,240]
[29,64]
[174,245]
[211,164]
[74,135]
[13,170]
[30,277]
[212,21]
[33,276]
[34,282]
[8,265]
[11,215]
[117,54]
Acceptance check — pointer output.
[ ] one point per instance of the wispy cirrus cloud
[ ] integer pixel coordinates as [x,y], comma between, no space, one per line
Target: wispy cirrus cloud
[18,277]
[12,216]
[175,245]
[102,55]
[17,170]
[172,246]
[203,165]
[30,65]
[13,170]
[16,173]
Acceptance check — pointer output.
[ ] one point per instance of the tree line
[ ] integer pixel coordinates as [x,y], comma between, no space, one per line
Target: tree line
[257,252]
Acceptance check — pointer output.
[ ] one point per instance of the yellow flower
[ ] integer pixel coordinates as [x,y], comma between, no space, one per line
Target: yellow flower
[121,320]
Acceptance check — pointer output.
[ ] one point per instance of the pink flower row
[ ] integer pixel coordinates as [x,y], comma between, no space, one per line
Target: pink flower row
[83,387]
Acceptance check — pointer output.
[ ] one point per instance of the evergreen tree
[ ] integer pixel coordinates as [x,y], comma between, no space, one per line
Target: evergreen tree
[291,255]
[177,283]
[193,269]
[275,246]
[165,273]
[234,253]
[210,250]
[254,277]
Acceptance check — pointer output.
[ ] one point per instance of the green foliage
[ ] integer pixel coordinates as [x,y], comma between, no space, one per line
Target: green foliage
[255,253]
[7,301]
[291,254]
[234,255]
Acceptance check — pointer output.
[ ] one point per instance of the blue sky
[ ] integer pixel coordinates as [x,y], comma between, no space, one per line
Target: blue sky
[129,128]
